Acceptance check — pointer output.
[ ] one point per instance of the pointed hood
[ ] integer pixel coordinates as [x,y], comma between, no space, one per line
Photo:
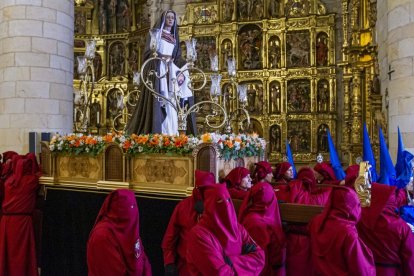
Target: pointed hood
[403,167]
[388,174]
[290,158]
[368,154]
[336,164]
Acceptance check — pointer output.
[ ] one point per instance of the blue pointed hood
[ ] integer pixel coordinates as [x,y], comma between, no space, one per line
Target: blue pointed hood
[405,171]
[403,166]
[368,155]
[290,158]
[388,175]
[336,164]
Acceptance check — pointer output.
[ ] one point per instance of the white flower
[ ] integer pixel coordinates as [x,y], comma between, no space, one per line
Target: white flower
[52,147]
[237,145]
[221,145]
[59,147]
[87,149]
[140,149]
[122,139]
[99,139]
[72,142]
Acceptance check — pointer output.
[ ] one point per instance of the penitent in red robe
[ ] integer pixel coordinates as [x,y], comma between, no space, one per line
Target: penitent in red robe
[233,180]
[216,243]
[336,247]
[17,243]
[259,214]
[114,245]
[184,217]
[386,234]
[303,191]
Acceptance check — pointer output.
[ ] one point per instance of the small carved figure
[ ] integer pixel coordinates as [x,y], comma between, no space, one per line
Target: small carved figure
[323,97]
[228,9]
[274,54]
[226,52]
[133,60]
[117,60]
[102,20]
[274,8]
[274,98]
[323,138]
[251,97]
[95,113]
[321,51]
[97,64]
[274,139]
[80,23]
[126,17]
[243,9]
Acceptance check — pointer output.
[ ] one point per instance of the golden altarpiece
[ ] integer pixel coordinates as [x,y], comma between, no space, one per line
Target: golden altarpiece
[307,69]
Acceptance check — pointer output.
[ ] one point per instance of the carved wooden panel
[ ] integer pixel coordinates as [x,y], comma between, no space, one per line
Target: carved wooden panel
[114,163]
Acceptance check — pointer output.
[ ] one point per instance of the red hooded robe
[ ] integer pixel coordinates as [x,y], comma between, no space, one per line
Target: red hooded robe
[303,191]
[336,246]
[386,234]
[234,179]
[326,170]
[281,184]
[184,217]
[114,245]
[259,214]
[17,242]
[216,244]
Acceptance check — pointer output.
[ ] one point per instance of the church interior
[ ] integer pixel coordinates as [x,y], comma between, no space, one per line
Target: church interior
[306,82]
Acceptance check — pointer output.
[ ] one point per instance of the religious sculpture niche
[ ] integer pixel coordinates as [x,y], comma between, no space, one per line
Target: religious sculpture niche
[274,139]
[250,47]
[297,8]
[97,64]
[322,49]
[226,52]
[114,107]
[323,96]
[80,23]
[298,49]
[323,138]
[254,127]
[133,59]
[275,8]
[274,97]
[205,15]
[274,52]
[255,97]
[228,88]
[117,59]
[298,96]
[124,16]
[205,47]
[228,10]
[299,135]
[250,10]
[95,113]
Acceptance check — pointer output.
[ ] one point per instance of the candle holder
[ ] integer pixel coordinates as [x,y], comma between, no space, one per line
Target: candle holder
[240,113]
[84,95]
[217,117]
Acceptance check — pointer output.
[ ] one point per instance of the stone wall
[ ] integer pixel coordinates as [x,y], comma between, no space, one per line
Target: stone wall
[36,69]
[395,29]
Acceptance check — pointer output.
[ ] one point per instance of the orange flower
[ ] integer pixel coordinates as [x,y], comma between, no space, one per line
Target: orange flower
[237,139]
[167,141]
[141,139]
[108,138]
[206,138]
[127,144]
[155,140]
[90,141]
[180,141]
[229,143]
[77,143]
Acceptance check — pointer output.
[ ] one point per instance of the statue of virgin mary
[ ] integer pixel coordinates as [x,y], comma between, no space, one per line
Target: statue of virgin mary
[152,115]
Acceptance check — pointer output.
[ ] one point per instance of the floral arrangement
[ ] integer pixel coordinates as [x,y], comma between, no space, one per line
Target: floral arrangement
[230,146]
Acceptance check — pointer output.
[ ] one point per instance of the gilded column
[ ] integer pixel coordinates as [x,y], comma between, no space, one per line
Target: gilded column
[36,70]
[356,108]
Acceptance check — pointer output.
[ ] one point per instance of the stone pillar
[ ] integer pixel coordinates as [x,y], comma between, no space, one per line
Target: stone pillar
[36,70]
[395,29]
